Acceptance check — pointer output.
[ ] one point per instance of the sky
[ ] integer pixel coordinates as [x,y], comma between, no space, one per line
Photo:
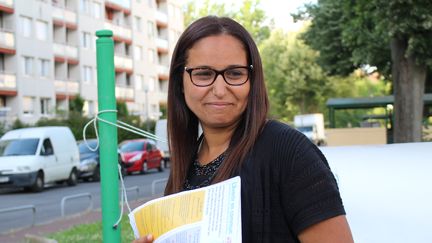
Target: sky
[280,11]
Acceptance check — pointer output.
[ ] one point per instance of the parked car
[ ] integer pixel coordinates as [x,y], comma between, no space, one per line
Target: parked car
[141,155]
[89,166]
[32,157]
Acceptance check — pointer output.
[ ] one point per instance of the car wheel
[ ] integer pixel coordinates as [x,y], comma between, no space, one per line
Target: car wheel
[96,174]
[73,178]
[39,183]
[161,165]
[144,167]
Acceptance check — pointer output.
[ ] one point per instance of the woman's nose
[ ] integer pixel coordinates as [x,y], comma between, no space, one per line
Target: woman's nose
[219,86]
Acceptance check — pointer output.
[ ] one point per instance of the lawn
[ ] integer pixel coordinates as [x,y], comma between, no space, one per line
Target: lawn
[91,233]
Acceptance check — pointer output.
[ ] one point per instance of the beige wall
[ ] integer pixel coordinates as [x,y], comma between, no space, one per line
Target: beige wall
[355,136]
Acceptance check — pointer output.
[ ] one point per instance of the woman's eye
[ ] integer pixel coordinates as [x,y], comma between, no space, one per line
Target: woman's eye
[203,73]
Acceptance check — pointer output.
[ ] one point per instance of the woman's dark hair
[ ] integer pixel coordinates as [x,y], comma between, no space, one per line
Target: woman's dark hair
[182,122]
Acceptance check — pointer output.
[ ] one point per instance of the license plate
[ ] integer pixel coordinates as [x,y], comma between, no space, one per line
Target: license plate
[4,179]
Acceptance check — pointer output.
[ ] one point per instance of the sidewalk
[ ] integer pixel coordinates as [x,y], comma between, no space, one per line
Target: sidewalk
[61,224]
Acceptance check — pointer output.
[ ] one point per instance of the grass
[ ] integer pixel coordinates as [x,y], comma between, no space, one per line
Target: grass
[92,233]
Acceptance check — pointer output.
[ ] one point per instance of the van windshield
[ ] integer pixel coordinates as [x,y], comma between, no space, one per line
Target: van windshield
[305,129]
[15,147]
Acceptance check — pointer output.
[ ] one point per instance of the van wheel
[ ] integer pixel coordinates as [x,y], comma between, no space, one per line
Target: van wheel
[144,168]
[96,174]
[73,178]
[39,183]
[161,165]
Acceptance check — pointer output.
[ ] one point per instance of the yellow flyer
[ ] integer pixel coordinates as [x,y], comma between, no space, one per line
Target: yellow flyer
[209,214]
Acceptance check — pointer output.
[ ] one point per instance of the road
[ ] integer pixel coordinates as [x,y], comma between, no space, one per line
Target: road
[48,202]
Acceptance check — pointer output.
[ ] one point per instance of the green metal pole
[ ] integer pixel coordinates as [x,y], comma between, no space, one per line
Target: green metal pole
[107,136]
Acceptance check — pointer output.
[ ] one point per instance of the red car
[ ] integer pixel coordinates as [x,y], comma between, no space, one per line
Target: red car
[141,155]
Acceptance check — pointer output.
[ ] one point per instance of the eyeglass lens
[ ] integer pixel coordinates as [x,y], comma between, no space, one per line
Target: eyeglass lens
[206,76]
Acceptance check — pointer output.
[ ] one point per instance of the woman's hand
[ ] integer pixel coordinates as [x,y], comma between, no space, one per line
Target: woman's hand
[145,239]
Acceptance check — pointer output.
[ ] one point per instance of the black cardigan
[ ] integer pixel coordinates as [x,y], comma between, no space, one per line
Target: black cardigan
[286,186]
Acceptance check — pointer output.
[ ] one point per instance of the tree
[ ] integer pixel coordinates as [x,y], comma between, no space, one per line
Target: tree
[249,14]
[76,104]
[296,83]
[391,35]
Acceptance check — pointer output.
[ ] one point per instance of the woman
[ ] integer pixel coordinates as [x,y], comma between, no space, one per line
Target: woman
[216,80]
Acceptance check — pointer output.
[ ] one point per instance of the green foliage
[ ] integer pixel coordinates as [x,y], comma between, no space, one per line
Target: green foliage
[351,33]
[18,124]
[295,82]
[76,104]
[248,13]
[91,233]
[164,110]
[122,110]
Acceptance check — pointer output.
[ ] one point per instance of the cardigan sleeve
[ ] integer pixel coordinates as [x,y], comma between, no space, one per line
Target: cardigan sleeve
[309,191]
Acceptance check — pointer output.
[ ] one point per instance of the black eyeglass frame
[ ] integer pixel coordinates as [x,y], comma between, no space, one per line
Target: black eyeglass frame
[218,72]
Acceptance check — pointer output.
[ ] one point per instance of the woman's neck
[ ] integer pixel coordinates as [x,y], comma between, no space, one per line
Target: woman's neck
[215,142]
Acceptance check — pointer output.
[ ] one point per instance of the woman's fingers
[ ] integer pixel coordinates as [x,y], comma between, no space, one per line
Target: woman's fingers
[145,239]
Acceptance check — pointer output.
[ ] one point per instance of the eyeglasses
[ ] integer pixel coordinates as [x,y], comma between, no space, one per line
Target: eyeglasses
[205,76]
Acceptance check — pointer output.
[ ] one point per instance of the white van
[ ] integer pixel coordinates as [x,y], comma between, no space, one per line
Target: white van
[32,157]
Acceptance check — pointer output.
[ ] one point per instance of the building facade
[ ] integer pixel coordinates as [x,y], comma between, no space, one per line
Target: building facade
[48,54]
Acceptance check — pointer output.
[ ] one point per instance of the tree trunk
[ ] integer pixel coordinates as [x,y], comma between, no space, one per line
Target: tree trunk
[408,87]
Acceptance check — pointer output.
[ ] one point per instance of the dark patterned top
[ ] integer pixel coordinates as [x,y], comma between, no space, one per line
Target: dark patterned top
[202,175]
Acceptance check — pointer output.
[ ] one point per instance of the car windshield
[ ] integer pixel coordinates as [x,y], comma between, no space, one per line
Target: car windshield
[305,129]
[132,146]
[84,149]
[13,147]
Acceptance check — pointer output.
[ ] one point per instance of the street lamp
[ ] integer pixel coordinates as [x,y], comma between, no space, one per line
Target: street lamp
[146,90]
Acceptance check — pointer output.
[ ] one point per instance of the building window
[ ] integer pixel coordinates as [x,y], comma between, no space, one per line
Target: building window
[151,55]
[97,10]
[41,30]
[128,80]
[45,106]
[86,40]
[28,66]
[87,74]
[138,55]
[89,108]
[137,23]
[139,82]
[150,29]
[2,62]
[151,84]
[26,26]
[44,67]
[28,105]
[85,6]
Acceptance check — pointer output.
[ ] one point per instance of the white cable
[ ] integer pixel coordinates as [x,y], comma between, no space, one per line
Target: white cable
[123,198]
[126,127]
[123,126]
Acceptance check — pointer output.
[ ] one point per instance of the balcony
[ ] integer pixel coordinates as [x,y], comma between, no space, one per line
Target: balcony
[7,42]
[120,33]
[8,84]
[163,72]
[64,51]
[7,6]
[121,4]
[123,63]
[162,45]
[124,93]
[61,15]
[161,19]
[65,89]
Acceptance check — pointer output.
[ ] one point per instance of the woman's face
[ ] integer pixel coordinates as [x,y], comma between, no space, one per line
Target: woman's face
[220,104]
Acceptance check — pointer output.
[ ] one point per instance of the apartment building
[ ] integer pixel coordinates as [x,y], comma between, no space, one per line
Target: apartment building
[48,54]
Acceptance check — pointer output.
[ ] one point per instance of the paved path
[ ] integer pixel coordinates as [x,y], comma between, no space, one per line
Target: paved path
[61,224]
